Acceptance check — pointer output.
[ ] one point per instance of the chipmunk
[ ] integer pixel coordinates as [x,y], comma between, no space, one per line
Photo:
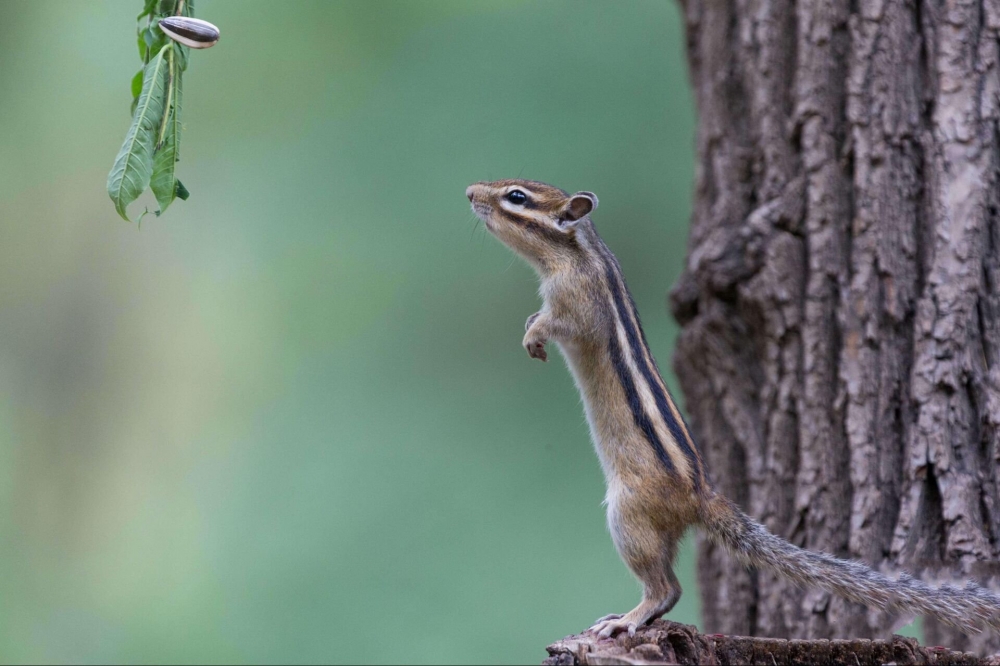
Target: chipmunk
[657,486]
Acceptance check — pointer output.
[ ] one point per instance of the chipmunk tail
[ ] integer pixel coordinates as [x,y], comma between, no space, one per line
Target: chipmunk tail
[969,608]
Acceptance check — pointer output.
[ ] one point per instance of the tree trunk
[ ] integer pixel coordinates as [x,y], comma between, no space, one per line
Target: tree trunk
[840,306]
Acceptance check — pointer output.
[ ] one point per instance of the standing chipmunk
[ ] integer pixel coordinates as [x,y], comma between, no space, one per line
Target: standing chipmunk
[657,485]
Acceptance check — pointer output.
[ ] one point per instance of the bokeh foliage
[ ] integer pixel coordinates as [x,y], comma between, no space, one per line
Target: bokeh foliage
[292,421]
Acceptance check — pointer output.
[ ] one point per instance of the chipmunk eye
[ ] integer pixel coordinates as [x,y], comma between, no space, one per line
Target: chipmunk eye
[517,197]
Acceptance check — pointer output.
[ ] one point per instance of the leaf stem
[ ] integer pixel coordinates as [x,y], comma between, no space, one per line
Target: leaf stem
[170,97]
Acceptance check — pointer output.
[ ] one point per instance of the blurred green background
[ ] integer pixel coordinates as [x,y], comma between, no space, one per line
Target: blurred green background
[291,420]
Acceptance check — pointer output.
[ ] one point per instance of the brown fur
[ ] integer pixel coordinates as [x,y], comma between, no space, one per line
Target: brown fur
[656,484]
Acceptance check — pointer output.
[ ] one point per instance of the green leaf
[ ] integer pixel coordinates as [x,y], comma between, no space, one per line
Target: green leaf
[182,52]
[154,38]
[147,9]
[137,85]
[164,179]
[134,165]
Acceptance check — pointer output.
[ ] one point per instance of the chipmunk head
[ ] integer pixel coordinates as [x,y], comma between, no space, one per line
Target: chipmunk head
[538,221]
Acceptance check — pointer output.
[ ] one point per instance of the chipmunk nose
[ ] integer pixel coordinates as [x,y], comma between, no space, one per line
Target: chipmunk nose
[469,192]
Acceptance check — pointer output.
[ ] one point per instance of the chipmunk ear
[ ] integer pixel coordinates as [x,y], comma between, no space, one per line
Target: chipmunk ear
[579,206]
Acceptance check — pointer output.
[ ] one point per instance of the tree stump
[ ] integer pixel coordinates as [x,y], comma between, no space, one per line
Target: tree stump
[665,642]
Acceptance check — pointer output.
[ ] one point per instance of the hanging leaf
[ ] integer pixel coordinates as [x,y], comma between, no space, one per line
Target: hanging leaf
[137,84]
[133,167]
[148,8]
[164,180]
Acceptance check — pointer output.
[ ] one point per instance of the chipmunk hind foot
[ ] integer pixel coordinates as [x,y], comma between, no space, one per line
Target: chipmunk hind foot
[647,611]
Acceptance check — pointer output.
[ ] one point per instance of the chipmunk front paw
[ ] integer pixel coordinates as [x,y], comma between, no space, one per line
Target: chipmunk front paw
[535,347]
[538,330]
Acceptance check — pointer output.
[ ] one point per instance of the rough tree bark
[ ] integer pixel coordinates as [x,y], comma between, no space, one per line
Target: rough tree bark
[840,306]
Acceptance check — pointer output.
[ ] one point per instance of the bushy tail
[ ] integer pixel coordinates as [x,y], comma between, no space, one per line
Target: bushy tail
[968,608]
